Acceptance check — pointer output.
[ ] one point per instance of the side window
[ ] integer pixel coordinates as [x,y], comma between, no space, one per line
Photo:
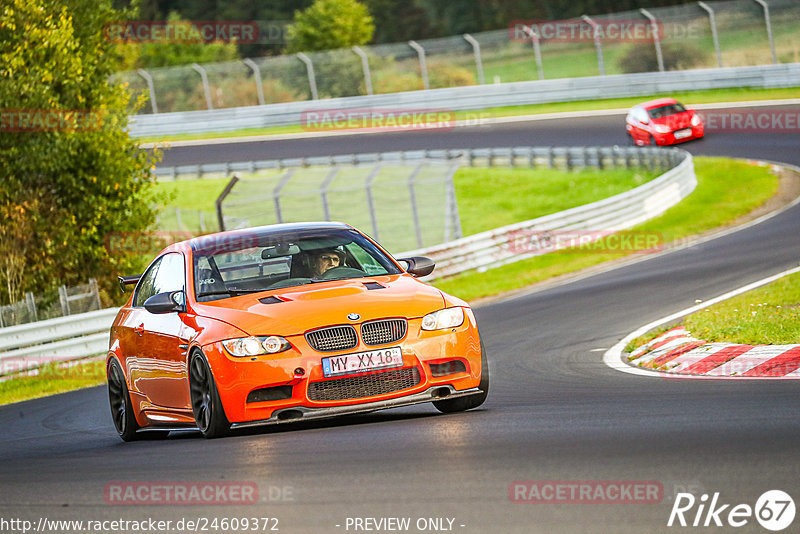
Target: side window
[145,288]
[167,274]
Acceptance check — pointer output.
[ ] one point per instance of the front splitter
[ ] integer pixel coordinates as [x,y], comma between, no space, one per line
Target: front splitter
[305,413]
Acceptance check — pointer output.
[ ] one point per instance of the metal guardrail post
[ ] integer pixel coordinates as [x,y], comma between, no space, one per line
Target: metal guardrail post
[765,6]
[30,302]
[712,20]
[276,193]
[414,209]
[220,200]
[422,65]
[370,202]
[656,37]
[206,89]
[476,49]
[151,88]
[537,51]
[312,79]
[257,75]
[324,191]
[63,298]
[598,45]
[96,292]
[365,68]
[453,204]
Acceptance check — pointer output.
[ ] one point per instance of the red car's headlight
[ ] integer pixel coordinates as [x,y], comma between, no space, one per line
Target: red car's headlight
[696,120]
[255,346]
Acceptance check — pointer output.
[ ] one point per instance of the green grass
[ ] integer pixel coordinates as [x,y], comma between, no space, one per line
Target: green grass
[726,190]
[767,315]
[687,97]
[489,198]
[52,379]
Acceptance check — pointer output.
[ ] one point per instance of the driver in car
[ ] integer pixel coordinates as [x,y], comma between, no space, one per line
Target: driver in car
[325,260]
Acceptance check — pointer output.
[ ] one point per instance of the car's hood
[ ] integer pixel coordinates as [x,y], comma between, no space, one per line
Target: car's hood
[677,121]
[303,308]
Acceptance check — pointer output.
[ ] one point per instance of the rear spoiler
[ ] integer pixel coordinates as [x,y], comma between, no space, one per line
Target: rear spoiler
[128,281]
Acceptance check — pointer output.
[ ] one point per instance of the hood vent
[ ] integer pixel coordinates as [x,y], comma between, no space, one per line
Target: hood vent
[271,300]
[373,285]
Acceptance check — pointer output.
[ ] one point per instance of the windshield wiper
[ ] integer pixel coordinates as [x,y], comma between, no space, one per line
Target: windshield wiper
[229,292]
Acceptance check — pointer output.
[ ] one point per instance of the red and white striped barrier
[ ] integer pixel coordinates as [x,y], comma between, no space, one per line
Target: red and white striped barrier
[676,351]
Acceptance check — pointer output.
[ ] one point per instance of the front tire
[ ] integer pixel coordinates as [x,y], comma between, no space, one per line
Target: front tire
[461,404]
[119,399]
[206,405]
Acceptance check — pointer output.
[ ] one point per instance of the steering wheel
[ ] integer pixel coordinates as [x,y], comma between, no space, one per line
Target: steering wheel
[342,272]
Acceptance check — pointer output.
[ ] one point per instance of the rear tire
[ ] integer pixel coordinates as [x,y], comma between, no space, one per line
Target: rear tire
[652,140]
[206,405]
[461,404]
[119,399]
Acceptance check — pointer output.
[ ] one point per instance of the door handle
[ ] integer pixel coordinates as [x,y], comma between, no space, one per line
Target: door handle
[139,329]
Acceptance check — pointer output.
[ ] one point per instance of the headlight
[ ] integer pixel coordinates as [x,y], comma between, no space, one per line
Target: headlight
[254,346]
[446,318]
[661,128]
[696,120]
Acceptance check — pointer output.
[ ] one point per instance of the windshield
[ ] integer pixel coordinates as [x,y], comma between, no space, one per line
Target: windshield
[665,111]
[275,260]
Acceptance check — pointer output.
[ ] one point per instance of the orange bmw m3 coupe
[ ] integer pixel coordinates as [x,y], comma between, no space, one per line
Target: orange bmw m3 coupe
[286,323]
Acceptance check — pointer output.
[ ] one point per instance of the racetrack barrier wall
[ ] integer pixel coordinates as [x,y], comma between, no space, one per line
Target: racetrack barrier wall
[471,98]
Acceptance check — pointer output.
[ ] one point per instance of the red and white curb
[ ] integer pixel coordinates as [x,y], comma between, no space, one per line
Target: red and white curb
[678,355]
[676,351]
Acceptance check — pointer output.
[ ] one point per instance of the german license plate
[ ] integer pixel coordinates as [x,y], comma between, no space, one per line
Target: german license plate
[360,362]
[680,134]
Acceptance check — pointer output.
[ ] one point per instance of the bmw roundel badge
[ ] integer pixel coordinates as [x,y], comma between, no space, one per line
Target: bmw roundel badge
[353,316]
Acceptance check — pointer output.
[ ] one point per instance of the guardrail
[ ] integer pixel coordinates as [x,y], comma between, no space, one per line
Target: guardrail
[63,339]
[471,97]
[625,210]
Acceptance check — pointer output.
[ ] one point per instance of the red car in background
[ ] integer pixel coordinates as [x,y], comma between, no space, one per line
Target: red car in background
[663,122]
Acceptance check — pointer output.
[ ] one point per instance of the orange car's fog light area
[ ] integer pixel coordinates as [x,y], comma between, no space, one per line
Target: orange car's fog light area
[251,389]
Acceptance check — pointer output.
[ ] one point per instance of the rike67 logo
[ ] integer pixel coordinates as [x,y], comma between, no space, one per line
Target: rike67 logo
[774,510]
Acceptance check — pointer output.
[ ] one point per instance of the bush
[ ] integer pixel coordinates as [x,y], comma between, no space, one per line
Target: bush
[642,57]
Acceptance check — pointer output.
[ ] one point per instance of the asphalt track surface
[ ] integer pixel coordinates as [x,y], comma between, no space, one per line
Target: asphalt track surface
[555,411]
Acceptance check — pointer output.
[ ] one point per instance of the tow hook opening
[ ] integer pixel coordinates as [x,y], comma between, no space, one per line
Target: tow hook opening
[290,414]
[438,393]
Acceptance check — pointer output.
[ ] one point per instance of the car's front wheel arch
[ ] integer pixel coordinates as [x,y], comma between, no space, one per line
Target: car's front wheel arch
[207,407]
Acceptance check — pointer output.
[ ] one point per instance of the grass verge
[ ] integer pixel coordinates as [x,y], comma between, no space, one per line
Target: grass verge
[766,315]
[717,201]
[52,379]
[687,97]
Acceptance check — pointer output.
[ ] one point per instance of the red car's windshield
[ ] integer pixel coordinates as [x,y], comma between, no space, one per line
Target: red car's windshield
[665,111]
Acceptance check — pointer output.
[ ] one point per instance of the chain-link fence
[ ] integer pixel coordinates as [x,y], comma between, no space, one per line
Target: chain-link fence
[704,34]
[404,206]
[66,301]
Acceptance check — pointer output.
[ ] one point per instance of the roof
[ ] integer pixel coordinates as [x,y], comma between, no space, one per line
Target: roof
[657,103]
[259,234]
